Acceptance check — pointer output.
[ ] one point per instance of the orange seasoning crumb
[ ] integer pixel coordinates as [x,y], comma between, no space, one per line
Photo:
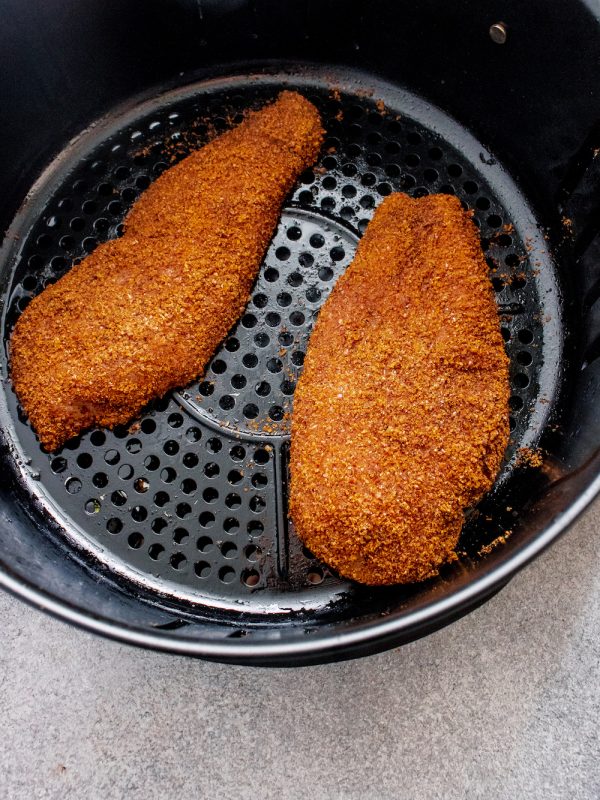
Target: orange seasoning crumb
[486,549]
[401,414]
[144,313]
[530,457]
[567,224]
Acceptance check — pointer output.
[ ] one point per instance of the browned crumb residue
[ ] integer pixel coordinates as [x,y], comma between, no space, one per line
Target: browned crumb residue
[144,313]
[567,223]
[401,415]
[486,549]
[530,457]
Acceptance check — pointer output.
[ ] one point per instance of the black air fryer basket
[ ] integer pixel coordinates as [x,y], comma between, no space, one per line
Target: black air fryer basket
[172,532]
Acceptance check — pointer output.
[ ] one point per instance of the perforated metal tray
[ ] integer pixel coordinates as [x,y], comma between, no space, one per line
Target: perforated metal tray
[190,501]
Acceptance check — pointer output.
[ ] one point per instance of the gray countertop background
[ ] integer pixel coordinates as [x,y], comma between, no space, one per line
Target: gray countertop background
[502,704]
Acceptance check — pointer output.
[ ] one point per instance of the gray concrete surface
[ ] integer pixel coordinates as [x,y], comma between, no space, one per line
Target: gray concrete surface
[503,704]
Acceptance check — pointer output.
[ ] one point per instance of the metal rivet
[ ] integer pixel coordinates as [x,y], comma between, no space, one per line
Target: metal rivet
[498,32]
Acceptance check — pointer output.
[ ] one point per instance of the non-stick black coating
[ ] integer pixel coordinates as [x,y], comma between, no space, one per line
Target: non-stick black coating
[193,496]
[358,621]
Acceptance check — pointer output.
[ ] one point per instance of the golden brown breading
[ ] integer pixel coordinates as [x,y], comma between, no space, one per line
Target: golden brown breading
[143,314]
[401,414]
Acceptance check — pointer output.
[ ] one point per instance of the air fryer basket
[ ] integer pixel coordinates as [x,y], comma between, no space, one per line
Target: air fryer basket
[173,531]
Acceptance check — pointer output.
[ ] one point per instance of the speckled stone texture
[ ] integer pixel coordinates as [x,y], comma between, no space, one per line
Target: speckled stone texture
[504,703]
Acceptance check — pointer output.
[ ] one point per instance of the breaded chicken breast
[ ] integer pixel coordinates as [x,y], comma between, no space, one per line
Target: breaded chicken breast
[401,414]
[144,313]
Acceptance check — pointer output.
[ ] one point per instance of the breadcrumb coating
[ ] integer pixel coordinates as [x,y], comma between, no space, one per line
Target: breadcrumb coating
[143,314]
[401,414]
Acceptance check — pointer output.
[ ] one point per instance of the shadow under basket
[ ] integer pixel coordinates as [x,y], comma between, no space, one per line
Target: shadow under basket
[173,532]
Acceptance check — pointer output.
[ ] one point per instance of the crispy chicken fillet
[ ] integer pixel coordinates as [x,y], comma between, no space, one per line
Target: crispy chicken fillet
[401,415]
[143,314]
